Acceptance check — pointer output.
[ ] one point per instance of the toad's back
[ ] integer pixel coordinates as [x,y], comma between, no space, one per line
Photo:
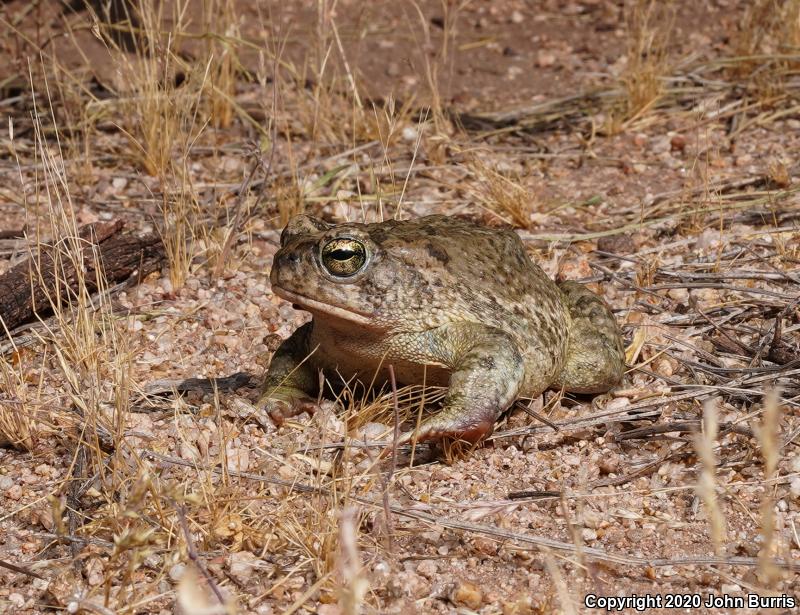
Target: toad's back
[460,272]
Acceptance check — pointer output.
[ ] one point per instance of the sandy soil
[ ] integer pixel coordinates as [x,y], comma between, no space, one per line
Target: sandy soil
[685,218]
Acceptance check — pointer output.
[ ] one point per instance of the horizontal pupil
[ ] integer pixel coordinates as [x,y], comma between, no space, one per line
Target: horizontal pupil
[342,255]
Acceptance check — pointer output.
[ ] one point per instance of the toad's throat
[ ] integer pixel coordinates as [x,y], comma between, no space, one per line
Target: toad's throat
[320,307]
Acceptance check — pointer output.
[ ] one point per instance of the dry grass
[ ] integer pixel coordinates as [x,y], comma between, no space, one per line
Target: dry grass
[18,428]
[502,192]
[221,29]
[89,364]
[165,104]
[181,215]
[154,112]
[706,487]
[649,28]
[87,343]
[327,109]
[438,73]
[180,499]
[768,442]
[767,44]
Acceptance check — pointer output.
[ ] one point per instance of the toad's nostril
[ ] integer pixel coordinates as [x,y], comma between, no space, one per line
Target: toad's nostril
[290,258]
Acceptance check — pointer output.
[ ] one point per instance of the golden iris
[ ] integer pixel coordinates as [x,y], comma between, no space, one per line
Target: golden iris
[343,257]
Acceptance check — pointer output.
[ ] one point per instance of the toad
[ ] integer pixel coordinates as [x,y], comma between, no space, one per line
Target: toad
[444,301]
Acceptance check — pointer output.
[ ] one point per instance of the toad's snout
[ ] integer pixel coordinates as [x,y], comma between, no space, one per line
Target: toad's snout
[285,267]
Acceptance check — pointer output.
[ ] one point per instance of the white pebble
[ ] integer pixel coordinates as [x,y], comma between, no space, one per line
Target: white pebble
[410,133]
[177,571]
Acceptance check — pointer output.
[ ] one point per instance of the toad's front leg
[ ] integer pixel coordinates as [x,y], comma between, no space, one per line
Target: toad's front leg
[487,372]
[291,384]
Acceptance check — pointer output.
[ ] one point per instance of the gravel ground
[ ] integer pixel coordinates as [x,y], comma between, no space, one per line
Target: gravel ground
[685,218]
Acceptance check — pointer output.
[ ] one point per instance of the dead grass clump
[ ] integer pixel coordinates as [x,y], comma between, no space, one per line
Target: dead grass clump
[92,374]
[319,102]
[326,110]
[767,434]
[163,111]
[181,215]
[767,45]
[17,407]
[649,27]
[323,93]
[154,110]
[502,193]
[88,343]
[221,33]
[78,113]
[367,407]
[706,487]
[437,67]
[290,199]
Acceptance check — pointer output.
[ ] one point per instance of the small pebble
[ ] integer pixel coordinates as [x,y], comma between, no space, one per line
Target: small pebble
[177,571]
[241,566]
[410,133]
[467,594]
[427,568]
[678,143]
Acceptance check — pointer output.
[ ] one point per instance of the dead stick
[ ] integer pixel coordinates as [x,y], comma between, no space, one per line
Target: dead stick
[32,287]
[19,569]
[194,557]
[539,417]
[205,385]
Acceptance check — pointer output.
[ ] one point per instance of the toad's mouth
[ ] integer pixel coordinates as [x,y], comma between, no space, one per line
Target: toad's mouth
[314,306]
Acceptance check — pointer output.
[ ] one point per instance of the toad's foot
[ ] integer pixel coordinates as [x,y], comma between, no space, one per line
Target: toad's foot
[451,426]
[282,403]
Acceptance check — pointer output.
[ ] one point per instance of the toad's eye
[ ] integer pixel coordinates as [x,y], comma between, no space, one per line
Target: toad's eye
[343,257]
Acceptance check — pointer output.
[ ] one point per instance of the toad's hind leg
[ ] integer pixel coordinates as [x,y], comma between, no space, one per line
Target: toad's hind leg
[595,359]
